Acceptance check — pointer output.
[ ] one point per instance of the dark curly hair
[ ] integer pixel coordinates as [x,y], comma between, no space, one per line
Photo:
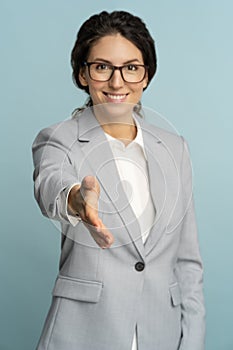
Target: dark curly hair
[97,26]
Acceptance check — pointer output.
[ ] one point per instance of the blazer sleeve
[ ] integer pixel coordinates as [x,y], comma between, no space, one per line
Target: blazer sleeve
[54,173]
[190,268]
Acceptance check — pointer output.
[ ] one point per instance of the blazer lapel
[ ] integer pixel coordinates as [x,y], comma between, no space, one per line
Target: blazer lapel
[162,177]
[99,156]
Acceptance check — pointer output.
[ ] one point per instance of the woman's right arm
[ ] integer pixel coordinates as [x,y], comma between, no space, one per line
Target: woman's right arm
[57,187]
[54,172]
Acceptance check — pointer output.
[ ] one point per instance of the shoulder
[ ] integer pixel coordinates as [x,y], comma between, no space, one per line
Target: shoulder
[168,138]
[59,132]
[80,121]
[59,129]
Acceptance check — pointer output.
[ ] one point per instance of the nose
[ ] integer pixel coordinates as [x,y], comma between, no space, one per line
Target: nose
[116,80]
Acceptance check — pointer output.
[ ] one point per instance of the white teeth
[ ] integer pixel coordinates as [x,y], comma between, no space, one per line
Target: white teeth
[116,97]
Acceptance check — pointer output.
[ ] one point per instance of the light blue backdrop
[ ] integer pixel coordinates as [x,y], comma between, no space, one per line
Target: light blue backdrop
[193,89]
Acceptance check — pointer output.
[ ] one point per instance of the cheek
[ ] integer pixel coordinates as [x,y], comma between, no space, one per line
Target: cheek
[95,87]
[139,89]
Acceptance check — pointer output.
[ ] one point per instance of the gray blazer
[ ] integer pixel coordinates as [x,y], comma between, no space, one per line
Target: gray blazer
[101,295]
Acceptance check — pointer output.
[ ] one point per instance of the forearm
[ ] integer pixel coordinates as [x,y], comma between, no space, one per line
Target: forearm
[190,276]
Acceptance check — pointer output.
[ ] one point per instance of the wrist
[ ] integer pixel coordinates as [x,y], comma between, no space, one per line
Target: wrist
[72,200]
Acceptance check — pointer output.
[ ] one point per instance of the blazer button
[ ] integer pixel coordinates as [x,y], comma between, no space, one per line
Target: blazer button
[139,266]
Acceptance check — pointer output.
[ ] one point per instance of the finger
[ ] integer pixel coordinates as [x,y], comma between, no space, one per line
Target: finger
[105,234]
[91,216]
[97,236]
[102,242]
[101,235]
[89,183]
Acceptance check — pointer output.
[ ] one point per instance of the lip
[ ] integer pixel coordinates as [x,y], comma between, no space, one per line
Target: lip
[115,98]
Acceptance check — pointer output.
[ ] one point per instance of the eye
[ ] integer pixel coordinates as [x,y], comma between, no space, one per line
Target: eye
[132,67]
[102,66]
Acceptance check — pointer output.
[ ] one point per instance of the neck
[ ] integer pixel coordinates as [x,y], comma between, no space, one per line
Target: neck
[126,132]
[117,121]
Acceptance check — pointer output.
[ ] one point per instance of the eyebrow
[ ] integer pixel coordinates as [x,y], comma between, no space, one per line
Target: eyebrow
[109,62]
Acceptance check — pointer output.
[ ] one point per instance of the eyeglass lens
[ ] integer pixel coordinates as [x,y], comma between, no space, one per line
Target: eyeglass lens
[103,72]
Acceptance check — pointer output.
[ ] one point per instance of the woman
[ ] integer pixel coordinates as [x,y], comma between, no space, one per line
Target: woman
[130,270]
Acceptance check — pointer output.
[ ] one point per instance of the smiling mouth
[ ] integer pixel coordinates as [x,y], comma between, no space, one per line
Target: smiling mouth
[116,97]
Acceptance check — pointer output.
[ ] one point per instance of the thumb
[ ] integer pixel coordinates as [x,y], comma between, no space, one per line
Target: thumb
[90,183]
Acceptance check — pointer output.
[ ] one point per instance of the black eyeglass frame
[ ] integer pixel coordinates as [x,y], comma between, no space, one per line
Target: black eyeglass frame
[88,64]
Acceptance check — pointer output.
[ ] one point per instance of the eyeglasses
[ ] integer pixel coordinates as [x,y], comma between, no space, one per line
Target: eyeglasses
[130,73]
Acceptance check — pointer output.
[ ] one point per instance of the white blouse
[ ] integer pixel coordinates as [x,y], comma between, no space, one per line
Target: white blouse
[131,162]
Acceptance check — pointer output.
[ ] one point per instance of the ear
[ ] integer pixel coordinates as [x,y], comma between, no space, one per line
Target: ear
[82,76]
[145,82]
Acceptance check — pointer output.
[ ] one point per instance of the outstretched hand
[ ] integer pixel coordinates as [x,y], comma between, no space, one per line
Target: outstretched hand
[83,201]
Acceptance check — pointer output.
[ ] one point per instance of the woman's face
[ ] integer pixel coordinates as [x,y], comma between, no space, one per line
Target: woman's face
[118,51]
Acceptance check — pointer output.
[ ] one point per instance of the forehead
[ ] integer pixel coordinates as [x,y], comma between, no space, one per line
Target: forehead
[115,49]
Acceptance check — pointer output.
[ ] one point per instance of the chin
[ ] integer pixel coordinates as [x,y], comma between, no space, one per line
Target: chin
[117,111]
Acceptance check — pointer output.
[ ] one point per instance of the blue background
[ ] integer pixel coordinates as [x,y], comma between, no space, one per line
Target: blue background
[193,89]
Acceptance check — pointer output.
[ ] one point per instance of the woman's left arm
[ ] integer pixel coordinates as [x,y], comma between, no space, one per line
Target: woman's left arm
[189,267]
